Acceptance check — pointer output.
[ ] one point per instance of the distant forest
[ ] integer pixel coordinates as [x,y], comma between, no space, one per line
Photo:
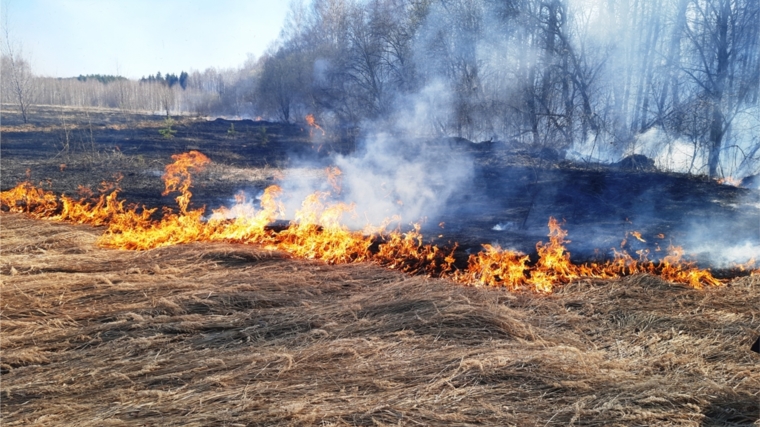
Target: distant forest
[678,80]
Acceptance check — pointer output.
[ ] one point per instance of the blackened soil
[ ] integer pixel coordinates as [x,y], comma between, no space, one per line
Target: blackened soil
[64,148]
[509,202]
[599,206]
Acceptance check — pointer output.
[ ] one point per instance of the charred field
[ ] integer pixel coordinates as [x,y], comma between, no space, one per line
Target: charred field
[229,334]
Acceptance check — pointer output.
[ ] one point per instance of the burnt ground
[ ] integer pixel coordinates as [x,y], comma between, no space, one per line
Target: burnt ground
[222,334]
[65,148]
[512,188]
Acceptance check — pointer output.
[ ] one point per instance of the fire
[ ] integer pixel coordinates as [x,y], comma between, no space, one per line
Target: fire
[496,267]
[637,236]
[178,175]
[26,198]
[334,178]
[248,224]
[729,180]
[173,228]
[319,232]
[313,124]
[408,253]
[44,204]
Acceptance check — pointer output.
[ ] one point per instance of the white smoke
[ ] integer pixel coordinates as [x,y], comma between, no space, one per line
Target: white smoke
[669,154]
[399,170]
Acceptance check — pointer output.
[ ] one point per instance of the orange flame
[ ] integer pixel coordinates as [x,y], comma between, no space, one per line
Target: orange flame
[184,227]
[247,225]
[313,124]
[318,232]
[334,178]
[44,204]
[637,235]
[729,180]
[178,178]
[496,267]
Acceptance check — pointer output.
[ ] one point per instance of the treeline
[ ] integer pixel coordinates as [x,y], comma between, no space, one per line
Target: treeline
[102,78]
[170,79]
[676,78]
[211,92]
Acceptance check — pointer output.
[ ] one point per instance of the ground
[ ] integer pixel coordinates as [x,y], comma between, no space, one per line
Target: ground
[223,334]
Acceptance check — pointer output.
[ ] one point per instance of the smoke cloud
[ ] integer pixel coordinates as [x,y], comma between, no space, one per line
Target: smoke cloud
[400,170]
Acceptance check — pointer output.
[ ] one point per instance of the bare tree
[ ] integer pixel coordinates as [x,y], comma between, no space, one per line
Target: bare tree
[723,38]
[16,75]
[556,73]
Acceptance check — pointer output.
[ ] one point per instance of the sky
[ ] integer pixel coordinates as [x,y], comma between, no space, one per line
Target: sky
[136,38]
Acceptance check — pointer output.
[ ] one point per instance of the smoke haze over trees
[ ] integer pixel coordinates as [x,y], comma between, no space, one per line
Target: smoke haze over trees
[676,80]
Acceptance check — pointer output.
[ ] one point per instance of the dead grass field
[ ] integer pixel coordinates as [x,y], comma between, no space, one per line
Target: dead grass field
[230,335]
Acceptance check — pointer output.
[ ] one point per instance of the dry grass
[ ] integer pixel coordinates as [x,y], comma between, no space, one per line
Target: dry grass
[232,335]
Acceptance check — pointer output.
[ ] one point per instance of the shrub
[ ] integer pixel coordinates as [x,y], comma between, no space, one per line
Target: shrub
[167,131]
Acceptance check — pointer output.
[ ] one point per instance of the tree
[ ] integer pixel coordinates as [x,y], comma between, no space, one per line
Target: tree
[724,44]
[183,80]
[16,75]
[282,84]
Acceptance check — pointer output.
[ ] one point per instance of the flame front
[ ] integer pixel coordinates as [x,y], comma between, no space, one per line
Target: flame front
[318,232]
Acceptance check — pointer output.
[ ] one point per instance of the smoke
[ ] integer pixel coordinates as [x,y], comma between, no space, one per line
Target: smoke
[725,242]
[400,170]
[669,154]
[740,157]
[594,150]
[392,177]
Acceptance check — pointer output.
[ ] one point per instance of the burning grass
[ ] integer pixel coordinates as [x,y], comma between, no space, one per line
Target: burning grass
[317,232]
[229,334]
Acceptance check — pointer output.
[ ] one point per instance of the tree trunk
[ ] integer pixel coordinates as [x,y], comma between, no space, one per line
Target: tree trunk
[716,140]
[717,122]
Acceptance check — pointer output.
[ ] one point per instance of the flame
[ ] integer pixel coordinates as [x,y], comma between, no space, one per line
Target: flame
[496,267]
[637,235]
[173,228]
[408,253]
[729,180]
[177,176]
[44,204]
[319,232]
[26,198]
[313,124]
[247,224]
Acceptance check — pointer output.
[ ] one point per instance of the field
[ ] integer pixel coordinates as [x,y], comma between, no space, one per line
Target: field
[225,334]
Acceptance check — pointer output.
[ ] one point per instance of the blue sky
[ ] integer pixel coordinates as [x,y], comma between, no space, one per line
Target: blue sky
[134,38]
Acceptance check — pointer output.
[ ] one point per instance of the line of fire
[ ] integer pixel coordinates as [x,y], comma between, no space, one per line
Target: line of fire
[317,232]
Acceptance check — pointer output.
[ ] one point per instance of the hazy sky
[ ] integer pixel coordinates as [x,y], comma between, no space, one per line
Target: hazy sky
[135,38]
